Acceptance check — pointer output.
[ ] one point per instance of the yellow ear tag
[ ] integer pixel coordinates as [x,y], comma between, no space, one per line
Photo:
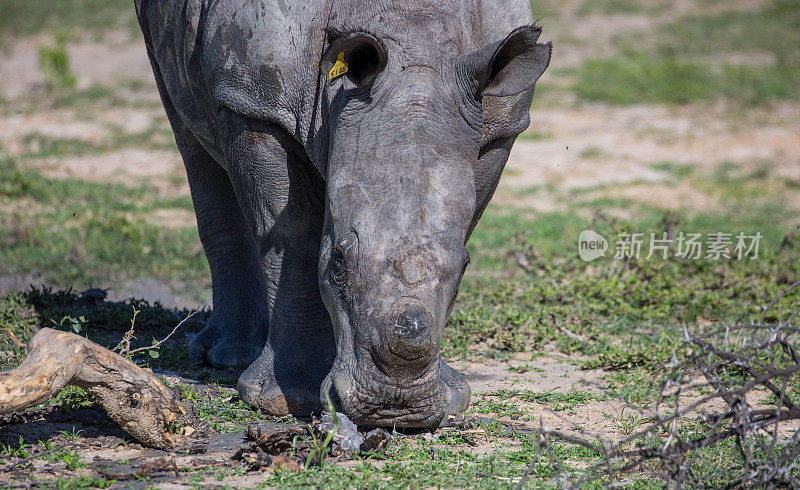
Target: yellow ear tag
[339,68]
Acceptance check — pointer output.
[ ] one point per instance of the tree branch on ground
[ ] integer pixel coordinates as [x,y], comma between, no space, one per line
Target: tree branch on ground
[141,404]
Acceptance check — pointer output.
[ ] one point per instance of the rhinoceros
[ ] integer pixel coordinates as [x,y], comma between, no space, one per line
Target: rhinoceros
[339,155]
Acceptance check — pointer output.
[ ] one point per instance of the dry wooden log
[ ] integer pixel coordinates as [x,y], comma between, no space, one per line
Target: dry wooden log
[135,399]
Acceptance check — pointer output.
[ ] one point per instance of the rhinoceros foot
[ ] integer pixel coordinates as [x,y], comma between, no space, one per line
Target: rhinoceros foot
[226,346]
[458,389]
[286,380]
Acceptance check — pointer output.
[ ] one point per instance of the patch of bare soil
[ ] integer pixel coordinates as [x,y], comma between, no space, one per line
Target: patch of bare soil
[62,124]
[171,218]
[594,146]
[670,197]
[126,166]
[107,62]
[21,282]
[553,372]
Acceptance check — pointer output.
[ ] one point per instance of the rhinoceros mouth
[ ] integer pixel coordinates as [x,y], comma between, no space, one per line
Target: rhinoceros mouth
[379,400]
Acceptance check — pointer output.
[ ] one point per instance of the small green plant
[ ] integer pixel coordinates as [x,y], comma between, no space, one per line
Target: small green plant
[591,152]
[81,482]
[54,64]
[616,359]
[187,393]
[72,398]
[20,451]
[319,450]
[72,435]
[70,323]
[626,422]
[221,409]
[18,323]
[72,460]
[558,401]
[525,368]
[499,408]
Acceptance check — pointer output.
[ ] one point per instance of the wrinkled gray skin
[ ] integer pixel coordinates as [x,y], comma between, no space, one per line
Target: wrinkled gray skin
[334,213]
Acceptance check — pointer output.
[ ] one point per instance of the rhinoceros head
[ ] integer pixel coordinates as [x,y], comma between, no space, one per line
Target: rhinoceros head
[406,130]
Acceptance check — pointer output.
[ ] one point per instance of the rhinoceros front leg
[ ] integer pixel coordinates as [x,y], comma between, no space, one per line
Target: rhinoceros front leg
[237,329]
[282,197]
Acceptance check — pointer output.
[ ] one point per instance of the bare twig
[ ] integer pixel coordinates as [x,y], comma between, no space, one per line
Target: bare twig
[158,344]
[13,338]
[124,346]
[765,309]
[569,333]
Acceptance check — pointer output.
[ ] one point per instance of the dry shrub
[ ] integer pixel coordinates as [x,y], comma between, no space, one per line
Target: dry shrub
[724,413]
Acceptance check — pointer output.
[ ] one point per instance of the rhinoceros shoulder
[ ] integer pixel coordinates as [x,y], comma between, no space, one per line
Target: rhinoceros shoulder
[256,57]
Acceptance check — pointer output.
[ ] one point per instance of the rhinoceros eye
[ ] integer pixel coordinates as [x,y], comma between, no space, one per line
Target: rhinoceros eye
[338,266]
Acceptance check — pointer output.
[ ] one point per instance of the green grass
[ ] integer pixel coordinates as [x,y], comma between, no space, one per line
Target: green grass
[775,30]
[636,77]
[534,136]
[223,410]
[545,9]
[617,308]
[81,233]
[500,409]
[416,463]
[587,7]
[92,248]
[78,482]
[592,152]
[556,401]
[680,67]
[676,169]
[21,17]
[42,146]
[134,93]
[156,137]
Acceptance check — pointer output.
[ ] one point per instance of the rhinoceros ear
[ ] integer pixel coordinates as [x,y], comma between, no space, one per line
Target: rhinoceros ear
[510,66]
[358,56]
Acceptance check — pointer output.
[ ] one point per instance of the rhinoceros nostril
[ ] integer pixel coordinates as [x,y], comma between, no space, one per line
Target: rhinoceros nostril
[412,325]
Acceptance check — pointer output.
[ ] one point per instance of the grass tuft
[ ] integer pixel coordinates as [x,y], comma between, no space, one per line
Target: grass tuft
[684,61]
